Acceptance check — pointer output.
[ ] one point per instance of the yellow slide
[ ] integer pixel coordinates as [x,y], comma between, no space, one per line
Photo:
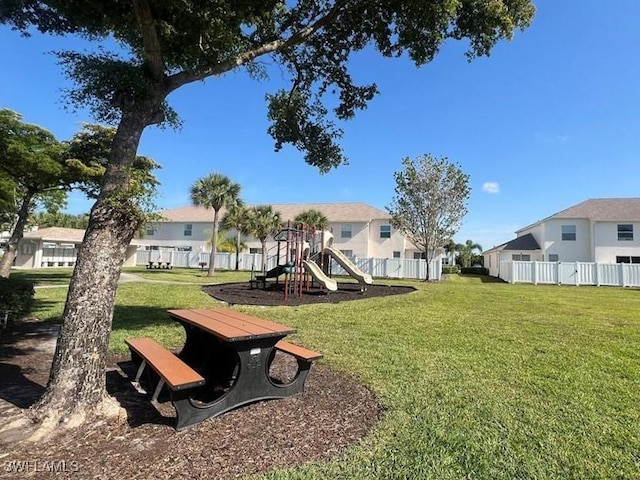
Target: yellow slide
[317,273]
[349,266]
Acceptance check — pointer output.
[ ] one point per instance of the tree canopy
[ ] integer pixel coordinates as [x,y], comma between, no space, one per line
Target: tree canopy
[34,164]
[468,255]
[313,218]
[262,222]
[430,202]
[41,170]
[169,44]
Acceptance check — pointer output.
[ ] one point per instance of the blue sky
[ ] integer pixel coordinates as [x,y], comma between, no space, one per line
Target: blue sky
[550,119]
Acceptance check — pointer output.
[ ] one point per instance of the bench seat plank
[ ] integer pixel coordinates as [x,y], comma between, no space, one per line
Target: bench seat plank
[177,374]
[297,351]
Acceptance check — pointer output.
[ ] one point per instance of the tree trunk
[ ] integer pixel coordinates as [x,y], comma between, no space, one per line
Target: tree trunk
[214,245]
[18,232]
[76,389]
[427,259]
[237,251]
[264,255]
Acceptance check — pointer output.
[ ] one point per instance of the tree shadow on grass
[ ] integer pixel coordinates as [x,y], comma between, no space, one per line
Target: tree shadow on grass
[134,317]
[482,278]
[43,277]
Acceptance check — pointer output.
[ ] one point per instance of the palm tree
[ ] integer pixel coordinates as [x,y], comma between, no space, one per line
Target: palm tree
[467,252]
[313,218]
[228,244]
[263,222]
[215,191]
[236,218]
[451,248]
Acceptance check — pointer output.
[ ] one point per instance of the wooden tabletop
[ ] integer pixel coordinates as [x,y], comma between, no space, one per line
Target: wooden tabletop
[230,325]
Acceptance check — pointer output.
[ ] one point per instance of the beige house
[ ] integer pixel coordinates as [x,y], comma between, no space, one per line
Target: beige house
[56,247]
[359,230]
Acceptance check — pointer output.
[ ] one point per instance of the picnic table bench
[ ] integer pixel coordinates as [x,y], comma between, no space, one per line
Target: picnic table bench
[159,264]
[224,364]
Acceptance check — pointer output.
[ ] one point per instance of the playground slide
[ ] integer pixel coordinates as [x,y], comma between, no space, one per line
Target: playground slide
[274,272]
[349,266]
[317,273]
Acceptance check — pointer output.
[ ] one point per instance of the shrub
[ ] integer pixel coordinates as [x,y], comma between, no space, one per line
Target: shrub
[449,269]
[475,271]
[16,298]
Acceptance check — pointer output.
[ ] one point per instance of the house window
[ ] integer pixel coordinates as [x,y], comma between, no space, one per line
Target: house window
[385,231]
[27,248]
[419,255]
[396,254]
[519,257]
[625,232]
[625,259]
[568,232]
[149,230]
[188,229]
[553,257]
[255,250]
[345,231]
[347,253]
[184,248]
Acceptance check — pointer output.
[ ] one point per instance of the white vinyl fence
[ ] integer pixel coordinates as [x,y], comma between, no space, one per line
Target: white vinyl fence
[571,273]
[376,267]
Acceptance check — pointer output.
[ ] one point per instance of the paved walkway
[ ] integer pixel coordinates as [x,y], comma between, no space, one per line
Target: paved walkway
[126,277]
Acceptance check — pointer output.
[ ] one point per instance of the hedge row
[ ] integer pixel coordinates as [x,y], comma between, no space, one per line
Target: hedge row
[16,298]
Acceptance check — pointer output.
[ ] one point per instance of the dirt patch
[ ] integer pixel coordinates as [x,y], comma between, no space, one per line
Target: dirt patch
[274,294]
[335,411]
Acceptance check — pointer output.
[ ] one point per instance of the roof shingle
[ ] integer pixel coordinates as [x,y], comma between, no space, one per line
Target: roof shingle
[335,212]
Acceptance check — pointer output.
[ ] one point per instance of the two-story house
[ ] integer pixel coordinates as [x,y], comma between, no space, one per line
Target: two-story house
[359,230]
[601,230]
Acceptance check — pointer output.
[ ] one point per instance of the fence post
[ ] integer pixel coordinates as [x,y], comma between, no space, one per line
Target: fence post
[534,272]
[513,272]
[623,276]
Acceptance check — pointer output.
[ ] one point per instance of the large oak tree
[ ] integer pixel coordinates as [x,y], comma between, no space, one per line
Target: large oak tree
[169,44]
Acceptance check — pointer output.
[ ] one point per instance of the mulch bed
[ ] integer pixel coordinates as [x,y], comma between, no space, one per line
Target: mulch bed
[274,295]
[334,412]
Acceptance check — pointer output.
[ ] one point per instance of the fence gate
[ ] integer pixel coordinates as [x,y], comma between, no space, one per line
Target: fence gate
[568,273]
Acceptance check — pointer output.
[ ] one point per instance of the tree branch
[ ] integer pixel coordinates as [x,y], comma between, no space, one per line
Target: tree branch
[179,79]
[152,50]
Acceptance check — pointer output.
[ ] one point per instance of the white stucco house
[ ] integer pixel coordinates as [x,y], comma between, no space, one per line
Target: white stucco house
[56,247]
[600,230]
[359,230]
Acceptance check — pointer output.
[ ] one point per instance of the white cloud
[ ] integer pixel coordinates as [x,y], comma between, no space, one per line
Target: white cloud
[491,187]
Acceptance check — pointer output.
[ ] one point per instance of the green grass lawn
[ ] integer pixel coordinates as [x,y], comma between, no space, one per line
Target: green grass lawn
[479,379]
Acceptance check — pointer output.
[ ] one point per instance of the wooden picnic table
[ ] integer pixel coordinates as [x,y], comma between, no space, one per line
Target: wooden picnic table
[230,354]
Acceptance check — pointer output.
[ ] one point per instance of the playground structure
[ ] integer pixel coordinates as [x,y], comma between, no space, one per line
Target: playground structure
[300,262]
